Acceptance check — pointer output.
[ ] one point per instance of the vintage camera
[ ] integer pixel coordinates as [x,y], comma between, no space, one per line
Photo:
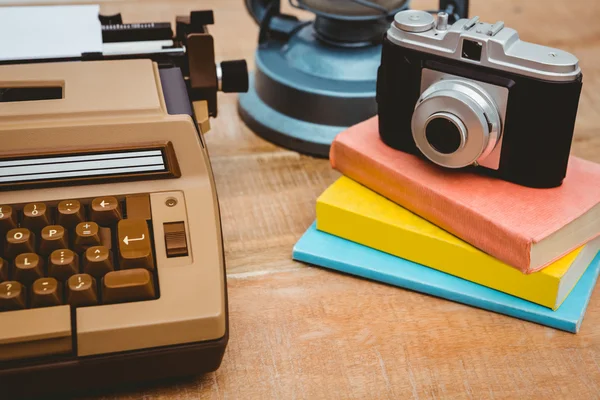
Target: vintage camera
[473,94]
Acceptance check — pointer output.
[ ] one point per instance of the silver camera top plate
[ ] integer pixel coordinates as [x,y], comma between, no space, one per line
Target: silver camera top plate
[489,45]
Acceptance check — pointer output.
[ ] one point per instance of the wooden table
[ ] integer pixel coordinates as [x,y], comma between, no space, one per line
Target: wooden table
[300,332]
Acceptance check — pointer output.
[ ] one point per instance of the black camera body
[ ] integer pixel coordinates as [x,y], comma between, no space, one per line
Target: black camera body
[472,95]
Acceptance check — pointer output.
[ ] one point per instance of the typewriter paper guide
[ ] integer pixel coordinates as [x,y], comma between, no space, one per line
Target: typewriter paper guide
[46,32]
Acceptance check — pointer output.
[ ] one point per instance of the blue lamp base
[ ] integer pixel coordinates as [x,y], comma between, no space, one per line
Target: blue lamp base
[304,91]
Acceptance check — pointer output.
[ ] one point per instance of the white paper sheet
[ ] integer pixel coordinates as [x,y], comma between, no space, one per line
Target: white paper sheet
[41,32]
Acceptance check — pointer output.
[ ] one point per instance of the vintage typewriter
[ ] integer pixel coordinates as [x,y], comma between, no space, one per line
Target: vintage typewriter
[111,258]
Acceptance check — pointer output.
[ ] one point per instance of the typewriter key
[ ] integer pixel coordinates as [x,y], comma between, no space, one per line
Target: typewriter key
[46,292]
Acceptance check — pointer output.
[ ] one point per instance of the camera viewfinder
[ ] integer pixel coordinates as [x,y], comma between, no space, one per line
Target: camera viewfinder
[471,50]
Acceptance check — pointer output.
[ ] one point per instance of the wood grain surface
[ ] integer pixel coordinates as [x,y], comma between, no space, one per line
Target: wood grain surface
[300,332]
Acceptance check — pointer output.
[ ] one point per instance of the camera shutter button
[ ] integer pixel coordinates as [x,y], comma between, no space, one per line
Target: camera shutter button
[414,21]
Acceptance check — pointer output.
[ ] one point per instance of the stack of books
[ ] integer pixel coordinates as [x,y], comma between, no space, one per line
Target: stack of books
[395,218]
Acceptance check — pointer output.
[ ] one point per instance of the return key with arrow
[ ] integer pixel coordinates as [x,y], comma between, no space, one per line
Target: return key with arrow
[135,247]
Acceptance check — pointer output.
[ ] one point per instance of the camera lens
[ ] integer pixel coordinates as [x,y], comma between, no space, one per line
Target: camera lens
[443,135]
[456,123]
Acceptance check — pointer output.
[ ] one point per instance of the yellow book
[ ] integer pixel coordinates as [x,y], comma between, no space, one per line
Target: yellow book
[351,211]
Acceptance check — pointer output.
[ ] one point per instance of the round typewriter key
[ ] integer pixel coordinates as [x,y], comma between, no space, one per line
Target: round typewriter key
[86,235]
[46,292]
[81,291]
[12,296]
[70,213]
[106,211]
[35,216]
[28,268]
[53,237]
[19,240]
[63,264]
[98,261]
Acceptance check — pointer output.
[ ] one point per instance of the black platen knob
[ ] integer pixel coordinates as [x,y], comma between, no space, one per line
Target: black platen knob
[234,76]
[115,19]
[201,18]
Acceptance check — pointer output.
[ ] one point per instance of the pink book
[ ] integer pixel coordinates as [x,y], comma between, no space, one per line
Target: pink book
[524,227]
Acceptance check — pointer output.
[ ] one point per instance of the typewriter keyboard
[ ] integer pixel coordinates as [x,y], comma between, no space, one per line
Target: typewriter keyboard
[76,252]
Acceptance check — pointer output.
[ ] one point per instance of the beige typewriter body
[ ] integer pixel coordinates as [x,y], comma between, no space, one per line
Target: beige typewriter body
[111,106]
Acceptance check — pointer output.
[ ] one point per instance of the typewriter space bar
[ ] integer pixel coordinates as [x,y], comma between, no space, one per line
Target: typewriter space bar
[35,332]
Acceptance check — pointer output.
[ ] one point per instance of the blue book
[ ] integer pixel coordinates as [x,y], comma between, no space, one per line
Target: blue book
[328,251]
